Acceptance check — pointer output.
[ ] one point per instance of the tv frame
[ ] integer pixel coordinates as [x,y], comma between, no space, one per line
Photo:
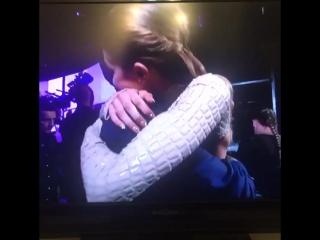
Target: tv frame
[254,216]
[232,217]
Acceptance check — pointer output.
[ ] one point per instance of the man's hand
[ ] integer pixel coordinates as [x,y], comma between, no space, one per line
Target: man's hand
[122,108]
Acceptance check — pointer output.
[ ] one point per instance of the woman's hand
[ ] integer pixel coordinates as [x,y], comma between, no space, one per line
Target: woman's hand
[122,108]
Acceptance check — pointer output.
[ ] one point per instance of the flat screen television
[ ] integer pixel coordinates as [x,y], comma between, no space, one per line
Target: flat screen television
[159,116]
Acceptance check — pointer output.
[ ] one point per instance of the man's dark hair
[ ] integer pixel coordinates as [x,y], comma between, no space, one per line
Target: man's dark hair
[46,105]
[83,94]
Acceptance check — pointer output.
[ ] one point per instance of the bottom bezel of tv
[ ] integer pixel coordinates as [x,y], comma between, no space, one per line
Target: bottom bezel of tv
[229,216]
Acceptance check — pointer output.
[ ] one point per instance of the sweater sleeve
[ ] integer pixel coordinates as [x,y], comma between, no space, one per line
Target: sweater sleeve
[160,147]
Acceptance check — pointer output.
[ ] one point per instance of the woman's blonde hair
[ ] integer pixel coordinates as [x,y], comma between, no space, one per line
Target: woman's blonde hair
[156,35]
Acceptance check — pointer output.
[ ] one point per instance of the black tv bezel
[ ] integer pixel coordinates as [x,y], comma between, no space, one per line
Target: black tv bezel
[254,216]
[240,216]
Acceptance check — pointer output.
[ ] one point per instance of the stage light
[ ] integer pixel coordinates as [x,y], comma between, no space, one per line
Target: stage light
[135,11]
[181,18]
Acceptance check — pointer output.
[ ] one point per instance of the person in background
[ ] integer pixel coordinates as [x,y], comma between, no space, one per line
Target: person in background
[261,154]
[49,151]
[72,130]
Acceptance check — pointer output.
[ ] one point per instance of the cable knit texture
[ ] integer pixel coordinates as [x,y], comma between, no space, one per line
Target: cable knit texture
[160,147]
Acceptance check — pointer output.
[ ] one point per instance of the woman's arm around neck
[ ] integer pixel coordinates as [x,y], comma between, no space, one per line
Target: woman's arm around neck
[161,146]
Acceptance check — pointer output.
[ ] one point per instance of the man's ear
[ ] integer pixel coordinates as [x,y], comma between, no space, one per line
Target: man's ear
[141,71]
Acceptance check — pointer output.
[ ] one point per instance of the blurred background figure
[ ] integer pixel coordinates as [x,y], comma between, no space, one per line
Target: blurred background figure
[72,130]
[261,154]
[49,162]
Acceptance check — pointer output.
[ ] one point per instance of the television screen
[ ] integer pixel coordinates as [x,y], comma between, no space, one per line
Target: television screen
[159,102]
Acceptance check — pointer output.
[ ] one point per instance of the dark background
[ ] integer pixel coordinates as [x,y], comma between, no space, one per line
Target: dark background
[240,41]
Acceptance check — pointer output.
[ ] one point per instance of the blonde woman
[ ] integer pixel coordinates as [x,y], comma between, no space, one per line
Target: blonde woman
[147,49]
